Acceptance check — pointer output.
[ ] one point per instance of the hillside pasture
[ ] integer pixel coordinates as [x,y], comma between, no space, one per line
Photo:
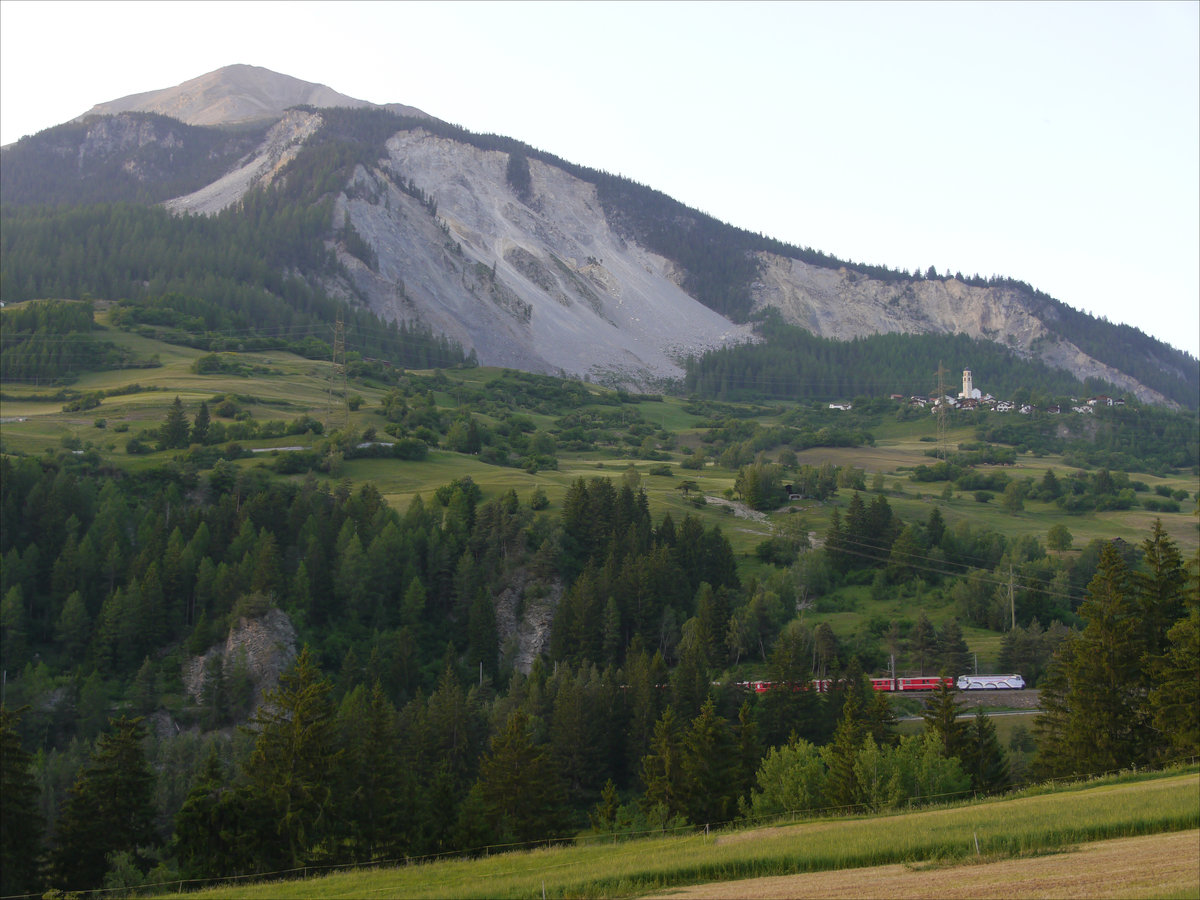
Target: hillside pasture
[1152,866]
[1033,823]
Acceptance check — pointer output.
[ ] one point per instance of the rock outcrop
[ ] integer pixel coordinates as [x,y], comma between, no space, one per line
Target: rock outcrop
[268,643]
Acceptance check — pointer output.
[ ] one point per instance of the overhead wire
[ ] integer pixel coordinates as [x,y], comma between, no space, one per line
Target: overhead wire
[1026,587]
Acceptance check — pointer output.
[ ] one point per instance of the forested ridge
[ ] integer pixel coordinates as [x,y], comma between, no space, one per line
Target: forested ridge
[419,735]
[133,158]
[217,283]
[794,364]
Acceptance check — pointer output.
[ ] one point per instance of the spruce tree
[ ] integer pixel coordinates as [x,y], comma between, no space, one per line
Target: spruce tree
[983,758]
[923,643]
[1094,694]
[708,766]
[1175,698]
[291,768]
[1161,587]
[371,796]
[662,769]
[21,824]
[941,716]
[200,424]
[110,808]
[174,432]
[521,793]
[1107,688]
[953,656]
[841,785]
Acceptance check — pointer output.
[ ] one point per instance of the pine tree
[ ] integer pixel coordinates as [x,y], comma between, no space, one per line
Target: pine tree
[941,716]
[109,808]
[983,758]
[21,824]
[519,787]
[200,424]
[295,755]
[662,768]
[174,431]
[709,768]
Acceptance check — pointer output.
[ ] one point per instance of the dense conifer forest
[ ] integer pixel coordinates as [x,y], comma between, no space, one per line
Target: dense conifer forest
[793,363]
[404,728]
[166,158]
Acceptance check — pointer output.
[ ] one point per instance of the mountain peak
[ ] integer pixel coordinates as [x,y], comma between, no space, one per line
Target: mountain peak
[236,93]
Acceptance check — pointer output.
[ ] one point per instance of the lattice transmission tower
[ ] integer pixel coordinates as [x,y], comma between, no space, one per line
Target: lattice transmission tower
[943,443]
[338,373]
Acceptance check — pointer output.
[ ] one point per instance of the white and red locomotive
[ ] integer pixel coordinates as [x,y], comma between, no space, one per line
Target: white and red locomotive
[890,684]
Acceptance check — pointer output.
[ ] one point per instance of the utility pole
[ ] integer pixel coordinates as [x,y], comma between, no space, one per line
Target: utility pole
[941,412]
[1012,605]
[338,372]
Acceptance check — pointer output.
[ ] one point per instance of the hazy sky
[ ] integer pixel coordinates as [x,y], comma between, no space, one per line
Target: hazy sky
[1057,143]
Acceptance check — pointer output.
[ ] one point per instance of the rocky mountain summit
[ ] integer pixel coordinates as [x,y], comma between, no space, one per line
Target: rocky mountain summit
[235,94]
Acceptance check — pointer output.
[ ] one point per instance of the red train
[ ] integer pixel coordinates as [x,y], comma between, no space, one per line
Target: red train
[821,685]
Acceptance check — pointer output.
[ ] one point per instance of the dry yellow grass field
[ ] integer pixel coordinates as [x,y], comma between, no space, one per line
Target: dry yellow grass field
[1159,865]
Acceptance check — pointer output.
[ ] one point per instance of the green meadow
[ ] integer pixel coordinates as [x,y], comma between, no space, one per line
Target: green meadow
[1035,821]
[285,387]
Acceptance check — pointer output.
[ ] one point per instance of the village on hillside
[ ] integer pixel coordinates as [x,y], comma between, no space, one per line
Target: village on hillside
[971,397]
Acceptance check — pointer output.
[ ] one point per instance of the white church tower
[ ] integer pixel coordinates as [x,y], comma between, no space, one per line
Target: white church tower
[969,391]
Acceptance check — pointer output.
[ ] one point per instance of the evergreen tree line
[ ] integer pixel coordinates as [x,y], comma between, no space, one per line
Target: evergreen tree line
[623,735]
[167,158]
[326,776]
[1125,691]
[54,341]
[793,363]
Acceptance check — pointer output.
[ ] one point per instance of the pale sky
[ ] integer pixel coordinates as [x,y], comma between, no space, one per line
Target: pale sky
[1055,143]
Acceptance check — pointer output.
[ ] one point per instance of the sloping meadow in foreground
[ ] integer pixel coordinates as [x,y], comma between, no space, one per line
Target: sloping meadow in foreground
[1028,824]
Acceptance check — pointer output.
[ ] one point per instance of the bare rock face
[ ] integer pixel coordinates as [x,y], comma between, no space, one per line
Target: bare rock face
[280,147]
[543,284]
[523,621]
[118,134]
[842,304]
[268,643]
[838,303]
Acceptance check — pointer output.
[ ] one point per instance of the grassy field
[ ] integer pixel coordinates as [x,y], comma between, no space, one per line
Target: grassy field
[1032,823]
[291,386]
[1154,867]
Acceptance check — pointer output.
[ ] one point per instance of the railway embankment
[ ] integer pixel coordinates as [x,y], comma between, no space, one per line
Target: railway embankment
[1027,699]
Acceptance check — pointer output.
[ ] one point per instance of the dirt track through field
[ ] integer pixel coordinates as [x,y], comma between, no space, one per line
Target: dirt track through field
[1148,866]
